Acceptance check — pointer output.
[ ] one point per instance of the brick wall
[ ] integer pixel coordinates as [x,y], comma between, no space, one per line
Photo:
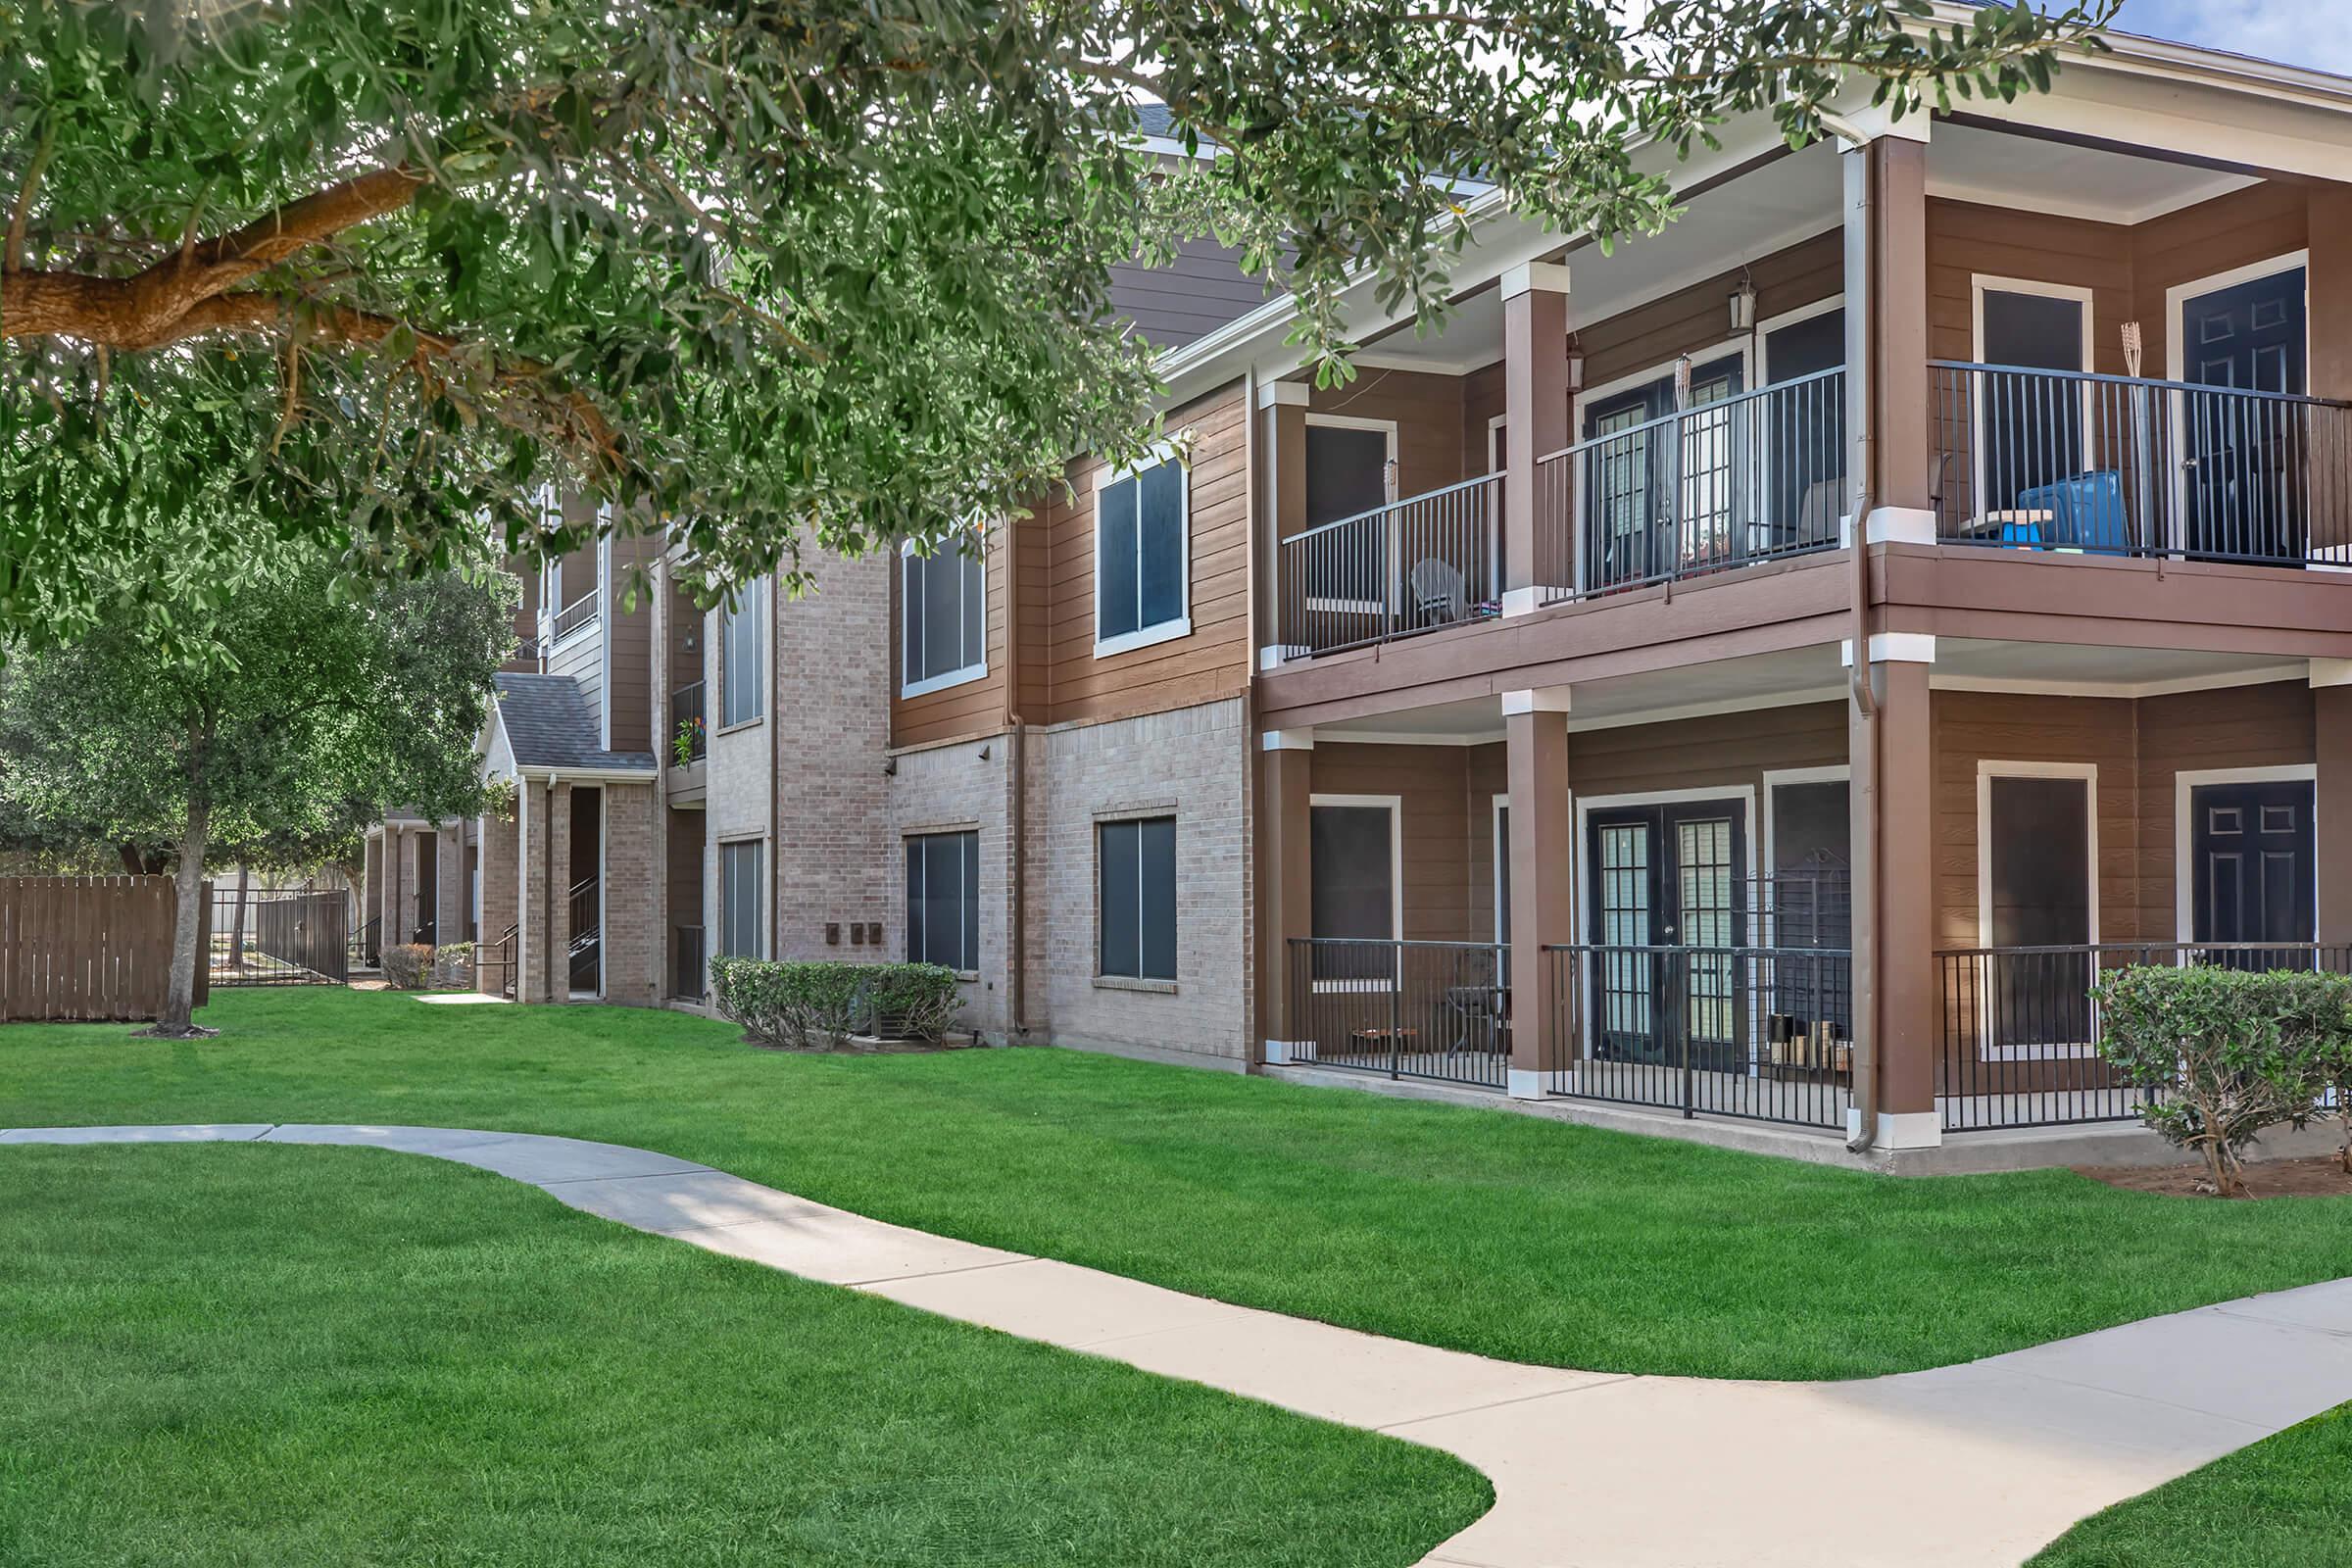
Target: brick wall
[633,928]
[450,891]
[501,890]
[832,856]
[949,789]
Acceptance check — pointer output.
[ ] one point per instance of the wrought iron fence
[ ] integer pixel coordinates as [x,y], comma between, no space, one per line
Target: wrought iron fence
[587,905]
[2020,1030]
[279,938]
[689,727]
[686,973]
[365,949]
[1764,1034]
[2120,466]
[1436,1011]
[496,957]
[1704,489]
[1415,565]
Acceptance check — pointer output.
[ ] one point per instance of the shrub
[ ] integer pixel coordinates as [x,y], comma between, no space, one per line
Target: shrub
[453,965]
[2223,1055]
[821,1003]
[406,965]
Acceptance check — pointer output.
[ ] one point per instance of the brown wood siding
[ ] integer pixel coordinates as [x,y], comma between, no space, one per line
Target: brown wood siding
[1431,447]
[1433,820]
[1966,241]
[683,900]
[974,708]
[1698,318]
[2243,726]
[2230,231]
[632,632]
[1482,404]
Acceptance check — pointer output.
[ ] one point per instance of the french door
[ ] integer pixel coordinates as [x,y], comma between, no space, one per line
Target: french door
[1663,878]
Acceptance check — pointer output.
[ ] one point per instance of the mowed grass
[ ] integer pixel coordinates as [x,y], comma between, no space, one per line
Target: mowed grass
[235,1354]
[1507,1235]
[2286,1499]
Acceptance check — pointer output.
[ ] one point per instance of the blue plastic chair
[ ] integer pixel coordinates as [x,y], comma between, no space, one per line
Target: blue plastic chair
[2087,512]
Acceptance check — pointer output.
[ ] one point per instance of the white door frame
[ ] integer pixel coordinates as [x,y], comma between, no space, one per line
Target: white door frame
[1394,805]
[2184,782]
[1988,770]
[2176,300]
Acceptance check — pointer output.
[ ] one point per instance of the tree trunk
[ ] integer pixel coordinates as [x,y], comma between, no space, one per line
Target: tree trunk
[236,928]
[177,1018]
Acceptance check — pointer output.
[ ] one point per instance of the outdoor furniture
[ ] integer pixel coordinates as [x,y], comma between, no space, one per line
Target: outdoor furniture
[2086,512]
[2026,529]
[1438,595]
[1377,1038]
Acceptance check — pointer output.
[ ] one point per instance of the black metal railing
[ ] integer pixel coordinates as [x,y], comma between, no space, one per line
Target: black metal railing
[2120,466]
[578,616]
[686,959]
[586,949]
[1436,1011]
[1762,1034]
[1704,489]
[2020,1030]
[497,958]
[1415,565]
[365,943]
[280,939]
[689,725]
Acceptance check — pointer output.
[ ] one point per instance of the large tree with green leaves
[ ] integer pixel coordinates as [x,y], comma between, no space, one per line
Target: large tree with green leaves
[314,709]
[772,270]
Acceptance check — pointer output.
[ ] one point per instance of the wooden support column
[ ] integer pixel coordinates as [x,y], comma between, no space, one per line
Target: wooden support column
[1886,327]
[1534,379]
[1285,870]
[2331,706]
[2328,285]
[1898,994]
[1281,628]
[1543,866]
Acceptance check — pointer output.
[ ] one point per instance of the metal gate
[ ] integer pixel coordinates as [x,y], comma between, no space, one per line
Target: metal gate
[301,938]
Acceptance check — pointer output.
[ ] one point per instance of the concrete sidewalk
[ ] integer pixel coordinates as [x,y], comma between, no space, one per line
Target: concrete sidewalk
[1976,1464]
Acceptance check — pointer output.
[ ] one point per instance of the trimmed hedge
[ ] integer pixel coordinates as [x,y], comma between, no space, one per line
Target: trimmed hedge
[821,1003]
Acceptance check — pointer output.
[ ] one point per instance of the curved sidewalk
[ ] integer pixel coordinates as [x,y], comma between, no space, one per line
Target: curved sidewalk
[1975,1465]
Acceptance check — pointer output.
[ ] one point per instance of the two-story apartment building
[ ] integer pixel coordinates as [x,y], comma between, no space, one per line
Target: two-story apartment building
[1764,670]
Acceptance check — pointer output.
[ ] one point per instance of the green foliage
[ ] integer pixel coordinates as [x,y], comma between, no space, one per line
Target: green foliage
[2223,1055]
[821,1003]
[782,273]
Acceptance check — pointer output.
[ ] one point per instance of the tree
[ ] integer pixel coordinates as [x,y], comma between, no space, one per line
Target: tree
[770,270]
[314,710]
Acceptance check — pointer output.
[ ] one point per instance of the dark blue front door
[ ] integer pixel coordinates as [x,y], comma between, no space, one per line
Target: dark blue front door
[2247,492]
[2254,858]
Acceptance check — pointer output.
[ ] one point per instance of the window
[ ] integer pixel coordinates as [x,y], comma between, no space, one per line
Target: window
[1353,846]
[943,900]
[739,899]
[739,678]
[943,601]
[2031,426]
[1137,863]
[1140,562]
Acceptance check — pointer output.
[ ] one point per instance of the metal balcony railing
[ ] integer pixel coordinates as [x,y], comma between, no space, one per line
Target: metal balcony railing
[578,616]
[1415,565]
[1436,1011]
[2120,466]
[1704,489]
[689,727]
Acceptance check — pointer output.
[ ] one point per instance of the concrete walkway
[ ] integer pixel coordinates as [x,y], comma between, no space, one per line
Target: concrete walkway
[1976,1464]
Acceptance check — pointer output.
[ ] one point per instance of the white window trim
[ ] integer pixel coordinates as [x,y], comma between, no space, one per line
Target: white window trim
[1988,770]
[1787,318]
[2187,780]
[1181,625]
[1774,778]
[1979,286]
[1501,855]
[1394,805]
[1356,421]
[946,678]
[1494,427]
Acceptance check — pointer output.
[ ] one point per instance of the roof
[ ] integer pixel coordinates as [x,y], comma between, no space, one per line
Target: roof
[550,722]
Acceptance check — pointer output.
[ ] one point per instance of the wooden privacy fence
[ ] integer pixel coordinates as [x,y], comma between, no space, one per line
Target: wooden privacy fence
[88,947]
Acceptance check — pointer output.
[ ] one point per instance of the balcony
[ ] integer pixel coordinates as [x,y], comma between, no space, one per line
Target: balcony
[2117,465]
[577,616]
[689,727]
[1415,565]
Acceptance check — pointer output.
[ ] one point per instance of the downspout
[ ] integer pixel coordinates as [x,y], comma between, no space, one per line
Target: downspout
[1253,1010]
[1016,827]
[1861,243]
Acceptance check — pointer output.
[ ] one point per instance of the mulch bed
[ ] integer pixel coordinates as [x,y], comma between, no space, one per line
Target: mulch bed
[2320,1176]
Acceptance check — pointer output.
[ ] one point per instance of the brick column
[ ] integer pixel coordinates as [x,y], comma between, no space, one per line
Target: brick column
[1535,377]
[448,882]
[635,933]
[371,886]
[500,848]
[396,927]
[1542,850]
[555,951]
[1285,901]
[1898,994]
[2331,706]
[531,911]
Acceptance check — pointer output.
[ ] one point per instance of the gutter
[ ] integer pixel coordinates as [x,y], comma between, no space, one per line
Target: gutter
[1861,244]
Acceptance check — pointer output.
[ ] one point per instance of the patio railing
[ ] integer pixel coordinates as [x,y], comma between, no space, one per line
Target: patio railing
[578,616]
[2019,1037]
[2120,466]
[686,970]
[689,729]
[1434,1010]
[1704,489]
[1763,1034]
[1415,565]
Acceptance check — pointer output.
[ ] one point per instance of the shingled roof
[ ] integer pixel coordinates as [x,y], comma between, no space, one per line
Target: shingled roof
[551,723]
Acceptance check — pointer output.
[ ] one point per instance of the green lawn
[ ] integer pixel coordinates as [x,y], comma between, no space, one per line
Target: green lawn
[1513,1236]
[228,1354]
[2284,1500]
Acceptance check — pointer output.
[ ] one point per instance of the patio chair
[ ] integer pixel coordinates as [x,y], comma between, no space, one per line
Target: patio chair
[2086,512]
[1439,597]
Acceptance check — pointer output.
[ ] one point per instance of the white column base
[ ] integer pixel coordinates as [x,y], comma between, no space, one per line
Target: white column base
[1522,601]
[1901,1129]
[1892,647]
[1276,655]
[1900,526]
[1282,1053]
[1524,1083]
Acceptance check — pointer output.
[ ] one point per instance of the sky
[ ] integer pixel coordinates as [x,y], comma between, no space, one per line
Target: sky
[2317,33]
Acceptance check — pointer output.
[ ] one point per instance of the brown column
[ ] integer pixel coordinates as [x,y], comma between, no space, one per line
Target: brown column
[398,928]
[1286,900]
[557,952]
[1284,499]
[2329,287]
[450,893]
[501,895]
[1897,321]
[532,908]
[1535,377]
[1542,853]
[2332,708]
[371,885]
[1900,1000]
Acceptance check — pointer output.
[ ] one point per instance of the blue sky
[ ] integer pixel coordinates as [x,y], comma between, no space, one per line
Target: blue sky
[2303,32]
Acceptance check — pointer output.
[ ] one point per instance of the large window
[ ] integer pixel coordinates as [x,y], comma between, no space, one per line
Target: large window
[943,603]
[943,900]
[739,644]
[1352,842]
[1140,563]
[2030,427]
[1138,888]
[739,899]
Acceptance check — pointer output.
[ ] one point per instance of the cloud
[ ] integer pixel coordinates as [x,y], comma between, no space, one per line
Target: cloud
[2298,32]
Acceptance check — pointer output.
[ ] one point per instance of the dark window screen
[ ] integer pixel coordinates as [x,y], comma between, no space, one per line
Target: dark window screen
[1138,869]
[739,899]
[2032,424]
[943,900]
[1354,888]
[1816,343]
[2040,860]
[739,660]
[1140,531]
[1347,472]
[944,603]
